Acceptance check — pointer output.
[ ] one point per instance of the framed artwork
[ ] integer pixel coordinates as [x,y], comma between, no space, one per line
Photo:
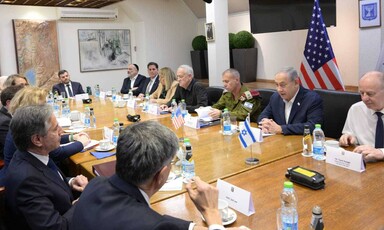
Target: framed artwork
[104,49]
[369,13]
[37,51]
[209,31]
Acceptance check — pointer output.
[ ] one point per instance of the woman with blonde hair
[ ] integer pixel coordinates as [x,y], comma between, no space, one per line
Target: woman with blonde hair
[15,79]
[37,96]
[167,87]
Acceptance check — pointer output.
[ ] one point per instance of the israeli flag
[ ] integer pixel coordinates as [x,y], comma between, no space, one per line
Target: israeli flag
[246,136]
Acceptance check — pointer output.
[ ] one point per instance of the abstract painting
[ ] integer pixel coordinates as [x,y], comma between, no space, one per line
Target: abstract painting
[104,49]
[37,51]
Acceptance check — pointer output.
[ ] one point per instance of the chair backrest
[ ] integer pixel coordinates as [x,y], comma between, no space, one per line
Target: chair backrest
[265,96]
[336,105]
[214,93]
[2,209]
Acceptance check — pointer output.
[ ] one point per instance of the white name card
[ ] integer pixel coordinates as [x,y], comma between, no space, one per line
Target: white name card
[192,122]
[108,134]
[79,97]
[237,198]
[102,94]
[345,159]
[153,109]
[131,103]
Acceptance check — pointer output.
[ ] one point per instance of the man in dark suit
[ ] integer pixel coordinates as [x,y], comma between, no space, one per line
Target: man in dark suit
[142,168]
[38,195]
[291,107]
[5,117]
[134,80]
[70,88]
[152,82]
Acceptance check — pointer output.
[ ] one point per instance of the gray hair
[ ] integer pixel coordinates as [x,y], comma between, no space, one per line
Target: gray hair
[28,121]
[233,72]
[187,69]
[290,71]
[143,149]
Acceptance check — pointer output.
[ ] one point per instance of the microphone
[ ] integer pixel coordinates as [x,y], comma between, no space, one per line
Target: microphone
[207,1]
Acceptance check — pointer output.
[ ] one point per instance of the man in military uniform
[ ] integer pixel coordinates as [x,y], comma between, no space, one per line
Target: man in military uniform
[237,98]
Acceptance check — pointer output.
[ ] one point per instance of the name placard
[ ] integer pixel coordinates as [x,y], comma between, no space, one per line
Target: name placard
[237,198]
[79,97]
[192,122]
[102,95]
[153,109]
[131,103]
[345,159]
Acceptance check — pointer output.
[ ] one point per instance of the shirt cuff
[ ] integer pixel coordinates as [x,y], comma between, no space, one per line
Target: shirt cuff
[216,227]
[70,181]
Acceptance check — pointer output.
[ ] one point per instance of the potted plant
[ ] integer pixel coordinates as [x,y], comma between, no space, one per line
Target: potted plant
[199,57]
[245,56]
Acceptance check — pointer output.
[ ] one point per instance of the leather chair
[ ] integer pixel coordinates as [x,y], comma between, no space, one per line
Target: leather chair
[265,96]
[2,209]
[214,93]
[336,105]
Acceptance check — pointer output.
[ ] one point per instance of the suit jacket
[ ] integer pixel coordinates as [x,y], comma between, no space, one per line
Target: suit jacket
[145,84]
[111,203]
[76,88]
[307,109]
[5,119]
[138,83]
[35,196]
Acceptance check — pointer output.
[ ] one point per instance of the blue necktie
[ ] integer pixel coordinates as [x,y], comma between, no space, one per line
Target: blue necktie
[379,137]
[69,91]
[54,168]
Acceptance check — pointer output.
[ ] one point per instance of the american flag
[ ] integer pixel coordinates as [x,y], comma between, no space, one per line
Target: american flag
[177,118]
[319,68]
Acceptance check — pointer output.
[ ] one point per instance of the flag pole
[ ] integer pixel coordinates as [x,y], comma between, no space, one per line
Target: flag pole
[251,160]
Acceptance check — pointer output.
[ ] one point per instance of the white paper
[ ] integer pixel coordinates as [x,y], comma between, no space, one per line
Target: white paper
[192,122]
[131,103]
[173,185]
[91,144]
[237,198]
[203,113]
[345,159]
[153,109]
[108,133]
[79,97]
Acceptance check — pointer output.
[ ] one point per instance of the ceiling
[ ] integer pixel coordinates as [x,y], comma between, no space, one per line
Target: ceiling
[234,6]
[61,3]
[196,6]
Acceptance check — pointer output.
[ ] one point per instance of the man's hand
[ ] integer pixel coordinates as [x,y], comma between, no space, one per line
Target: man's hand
[164,108]
[214,113]
[347,140]
[84,139]
[78,183]
[205,197]
[270,126]
[370,154]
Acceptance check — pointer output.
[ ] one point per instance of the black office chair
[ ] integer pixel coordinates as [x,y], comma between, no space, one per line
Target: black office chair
[265,96]
[2,209]
[336,105]
[214,93]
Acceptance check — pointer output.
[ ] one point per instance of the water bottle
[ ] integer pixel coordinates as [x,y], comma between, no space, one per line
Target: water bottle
[130,95]
[87,117]
[307,142]
[287,215]
[56,108]
[187,164]
[146,103]
[174,107]
[97,91]
[49,98]
[318,143]
[65,110]
[92,118]
[113,94]
[227,128]
[317,219]
[183,108]
[116,131]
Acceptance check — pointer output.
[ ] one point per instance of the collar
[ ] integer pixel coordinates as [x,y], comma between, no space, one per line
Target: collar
[134,78]
[294,97]
[146,197]
[69,83]
[373,112]
[189,88]
[42,158]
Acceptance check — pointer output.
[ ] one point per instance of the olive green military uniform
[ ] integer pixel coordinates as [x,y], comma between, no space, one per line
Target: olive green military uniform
[248,102]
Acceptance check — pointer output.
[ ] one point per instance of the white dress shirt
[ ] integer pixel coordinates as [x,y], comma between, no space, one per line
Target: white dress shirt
[133,81]
[288,106]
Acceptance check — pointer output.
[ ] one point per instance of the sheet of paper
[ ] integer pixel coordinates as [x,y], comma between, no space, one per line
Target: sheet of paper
[203,113]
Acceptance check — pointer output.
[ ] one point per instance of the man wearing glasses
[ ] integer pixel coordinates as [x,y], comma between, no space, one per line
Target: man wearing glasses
[364,124]
[291,107]
[189,89]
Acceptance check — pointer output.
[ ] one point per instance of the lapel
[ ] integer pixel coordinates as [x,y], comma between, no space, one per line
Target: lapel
[46,171]
[296,105]
[130,189]
[282,111]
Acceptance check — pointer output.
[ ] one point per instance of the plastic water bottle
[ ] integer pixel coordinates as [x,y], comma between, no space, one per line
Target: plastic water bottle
[92,118]
[227,128]
[174,107]
[187,164]
[288,217]
[56,108]
[317,219]
[183,107]
[307,142]
[113,94]
[97,90]
[318,143]
[130,95]
[146,103]
[65,110]
[49,98]
[116,131]
[87,117]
